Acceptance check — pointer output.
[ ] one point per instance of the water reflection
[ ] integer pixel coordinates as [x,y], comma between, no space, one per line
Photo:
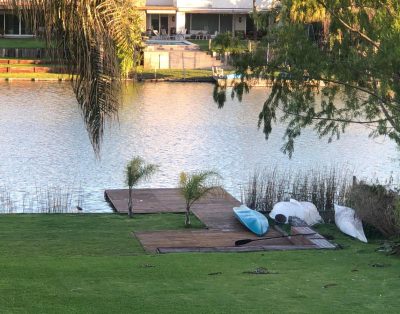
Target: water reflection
[43,141]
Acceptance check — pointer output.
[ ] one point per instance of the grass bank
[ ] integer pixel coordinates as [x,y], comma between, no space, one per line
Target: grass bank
[175,74]
[144,75]
[92,264]
[202,43]
[22,43]
[28,76]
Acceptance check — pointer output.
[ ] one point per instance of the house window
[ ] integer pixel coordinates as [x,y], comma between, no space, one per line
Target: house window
[155,22]
[205,22]
[25,29]
[11,24]
[1,23]
[226,23]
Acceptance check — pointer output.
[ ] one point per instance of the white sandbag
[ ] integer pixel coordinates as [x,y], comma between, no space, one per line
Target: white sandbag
[347,221]
[287,209]
[310,212]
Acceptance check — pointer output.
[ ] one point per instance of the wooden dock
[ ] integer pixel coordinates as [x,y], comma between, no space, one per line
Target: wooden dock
[215,211]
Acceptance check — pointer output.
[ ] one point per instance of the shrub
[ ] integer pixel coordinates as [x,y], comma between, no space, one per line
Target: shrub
[377,206]
[226,42]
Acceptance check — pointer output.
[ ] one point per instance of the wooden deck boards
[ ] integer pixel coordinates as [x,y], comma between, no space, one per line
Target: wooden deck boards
[215,211]
[214,240]
[147,201]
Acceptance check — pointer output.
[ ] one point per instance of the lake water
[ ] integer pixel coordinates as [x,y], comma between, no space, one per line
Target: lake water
[44,145]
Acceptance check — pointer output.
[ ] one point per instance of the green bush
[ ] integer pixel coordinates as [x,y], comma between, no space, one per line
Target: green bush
[377,206]
[226,42]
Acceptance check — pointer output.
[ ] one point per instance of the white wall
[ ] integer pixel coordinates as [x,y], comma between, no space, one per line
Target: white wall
[239,21]
[180,21]
[221,4]
[168,3]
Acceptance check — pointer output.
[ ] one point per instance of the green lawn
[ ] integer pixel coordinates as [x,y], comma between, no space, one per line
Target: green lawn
[175,74]
[92,264]
[190,75]
[203,44]
[34,76]
[22,65]
[21,43]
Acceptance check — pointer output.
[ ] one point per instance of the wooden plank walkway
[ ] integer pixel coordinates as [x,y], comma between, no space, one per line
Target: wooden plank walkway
[216,241]
[215,211]
[316,238]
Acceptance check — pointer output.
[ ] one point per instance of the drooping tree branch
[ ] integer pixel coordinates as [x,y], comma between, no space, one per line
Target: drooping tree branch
[91,38]
[348,26]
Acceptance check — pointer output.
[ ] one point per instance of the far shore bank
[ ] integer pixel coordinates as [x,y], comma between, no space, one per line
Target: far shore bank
[190,76]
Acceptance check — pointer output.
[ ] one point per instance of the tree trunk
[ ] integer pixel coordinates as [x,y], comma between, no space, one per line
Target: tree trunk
[130,213]
[255,28]
[187,218]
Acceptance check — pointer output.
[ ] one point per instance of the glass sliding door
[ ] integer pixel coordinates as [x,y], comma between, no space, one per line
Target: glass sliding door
[25,27]
[226,23]
[11,24]
[155,22]
[1,23]
[205,22]
[188,26]
[164,22]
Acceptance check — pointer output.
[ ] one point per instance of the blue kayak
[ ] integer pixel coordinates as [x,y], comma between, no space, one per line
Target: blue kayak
[252,219]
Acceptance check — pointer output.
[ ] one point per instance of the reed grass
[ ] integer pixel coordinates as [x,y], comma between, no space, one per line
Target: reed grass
[323,187]
[51,199]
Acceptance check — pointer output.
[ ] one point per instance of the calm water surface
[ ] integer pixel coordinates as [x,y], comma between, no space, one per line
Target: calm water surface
[44,144]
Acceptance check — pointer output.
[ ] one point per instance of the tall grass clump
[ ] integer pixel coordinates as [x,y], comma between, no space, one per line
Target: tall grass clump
[7,204]
[51,199]
[322,187]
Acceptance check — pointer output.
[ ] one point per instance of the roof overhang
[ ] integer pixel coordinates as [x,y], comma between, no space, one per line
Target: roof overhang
[161,11]
[216,10]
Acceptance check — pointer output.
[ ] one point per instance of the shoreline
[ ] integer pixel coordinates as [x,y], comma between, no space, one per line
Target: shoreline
[161,80]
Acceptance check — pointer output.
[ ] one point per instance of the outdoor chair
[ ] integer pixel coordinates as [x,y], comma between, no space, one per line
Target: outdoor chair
[157,35]
[218,72]
[215,35]
[164,34]
[181,35]
[206,35]
[199,35]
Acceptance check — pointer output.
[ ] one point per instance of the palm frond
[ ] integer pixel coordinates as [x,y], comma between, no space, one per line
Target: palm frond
[197,185]
[92,39]
[137,170]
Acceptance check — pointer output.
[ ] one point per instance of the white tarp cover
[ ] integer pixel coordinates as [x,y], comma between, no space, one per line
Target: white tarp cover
[347,221]
[310,212]
[304,210]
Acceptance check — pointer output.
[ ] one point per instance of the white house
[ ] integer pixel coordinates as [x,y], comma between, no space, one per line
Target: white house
[206,16]
[173,16]
[12,25]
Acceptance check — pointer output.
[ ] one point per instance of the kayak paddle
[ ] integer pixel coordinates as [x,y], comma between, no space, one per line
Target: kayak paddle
[245,241]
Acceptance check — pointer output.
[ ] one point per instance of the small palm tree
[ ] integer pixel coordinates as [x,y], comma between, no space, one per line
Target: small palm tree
[137,170]
[196,185]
